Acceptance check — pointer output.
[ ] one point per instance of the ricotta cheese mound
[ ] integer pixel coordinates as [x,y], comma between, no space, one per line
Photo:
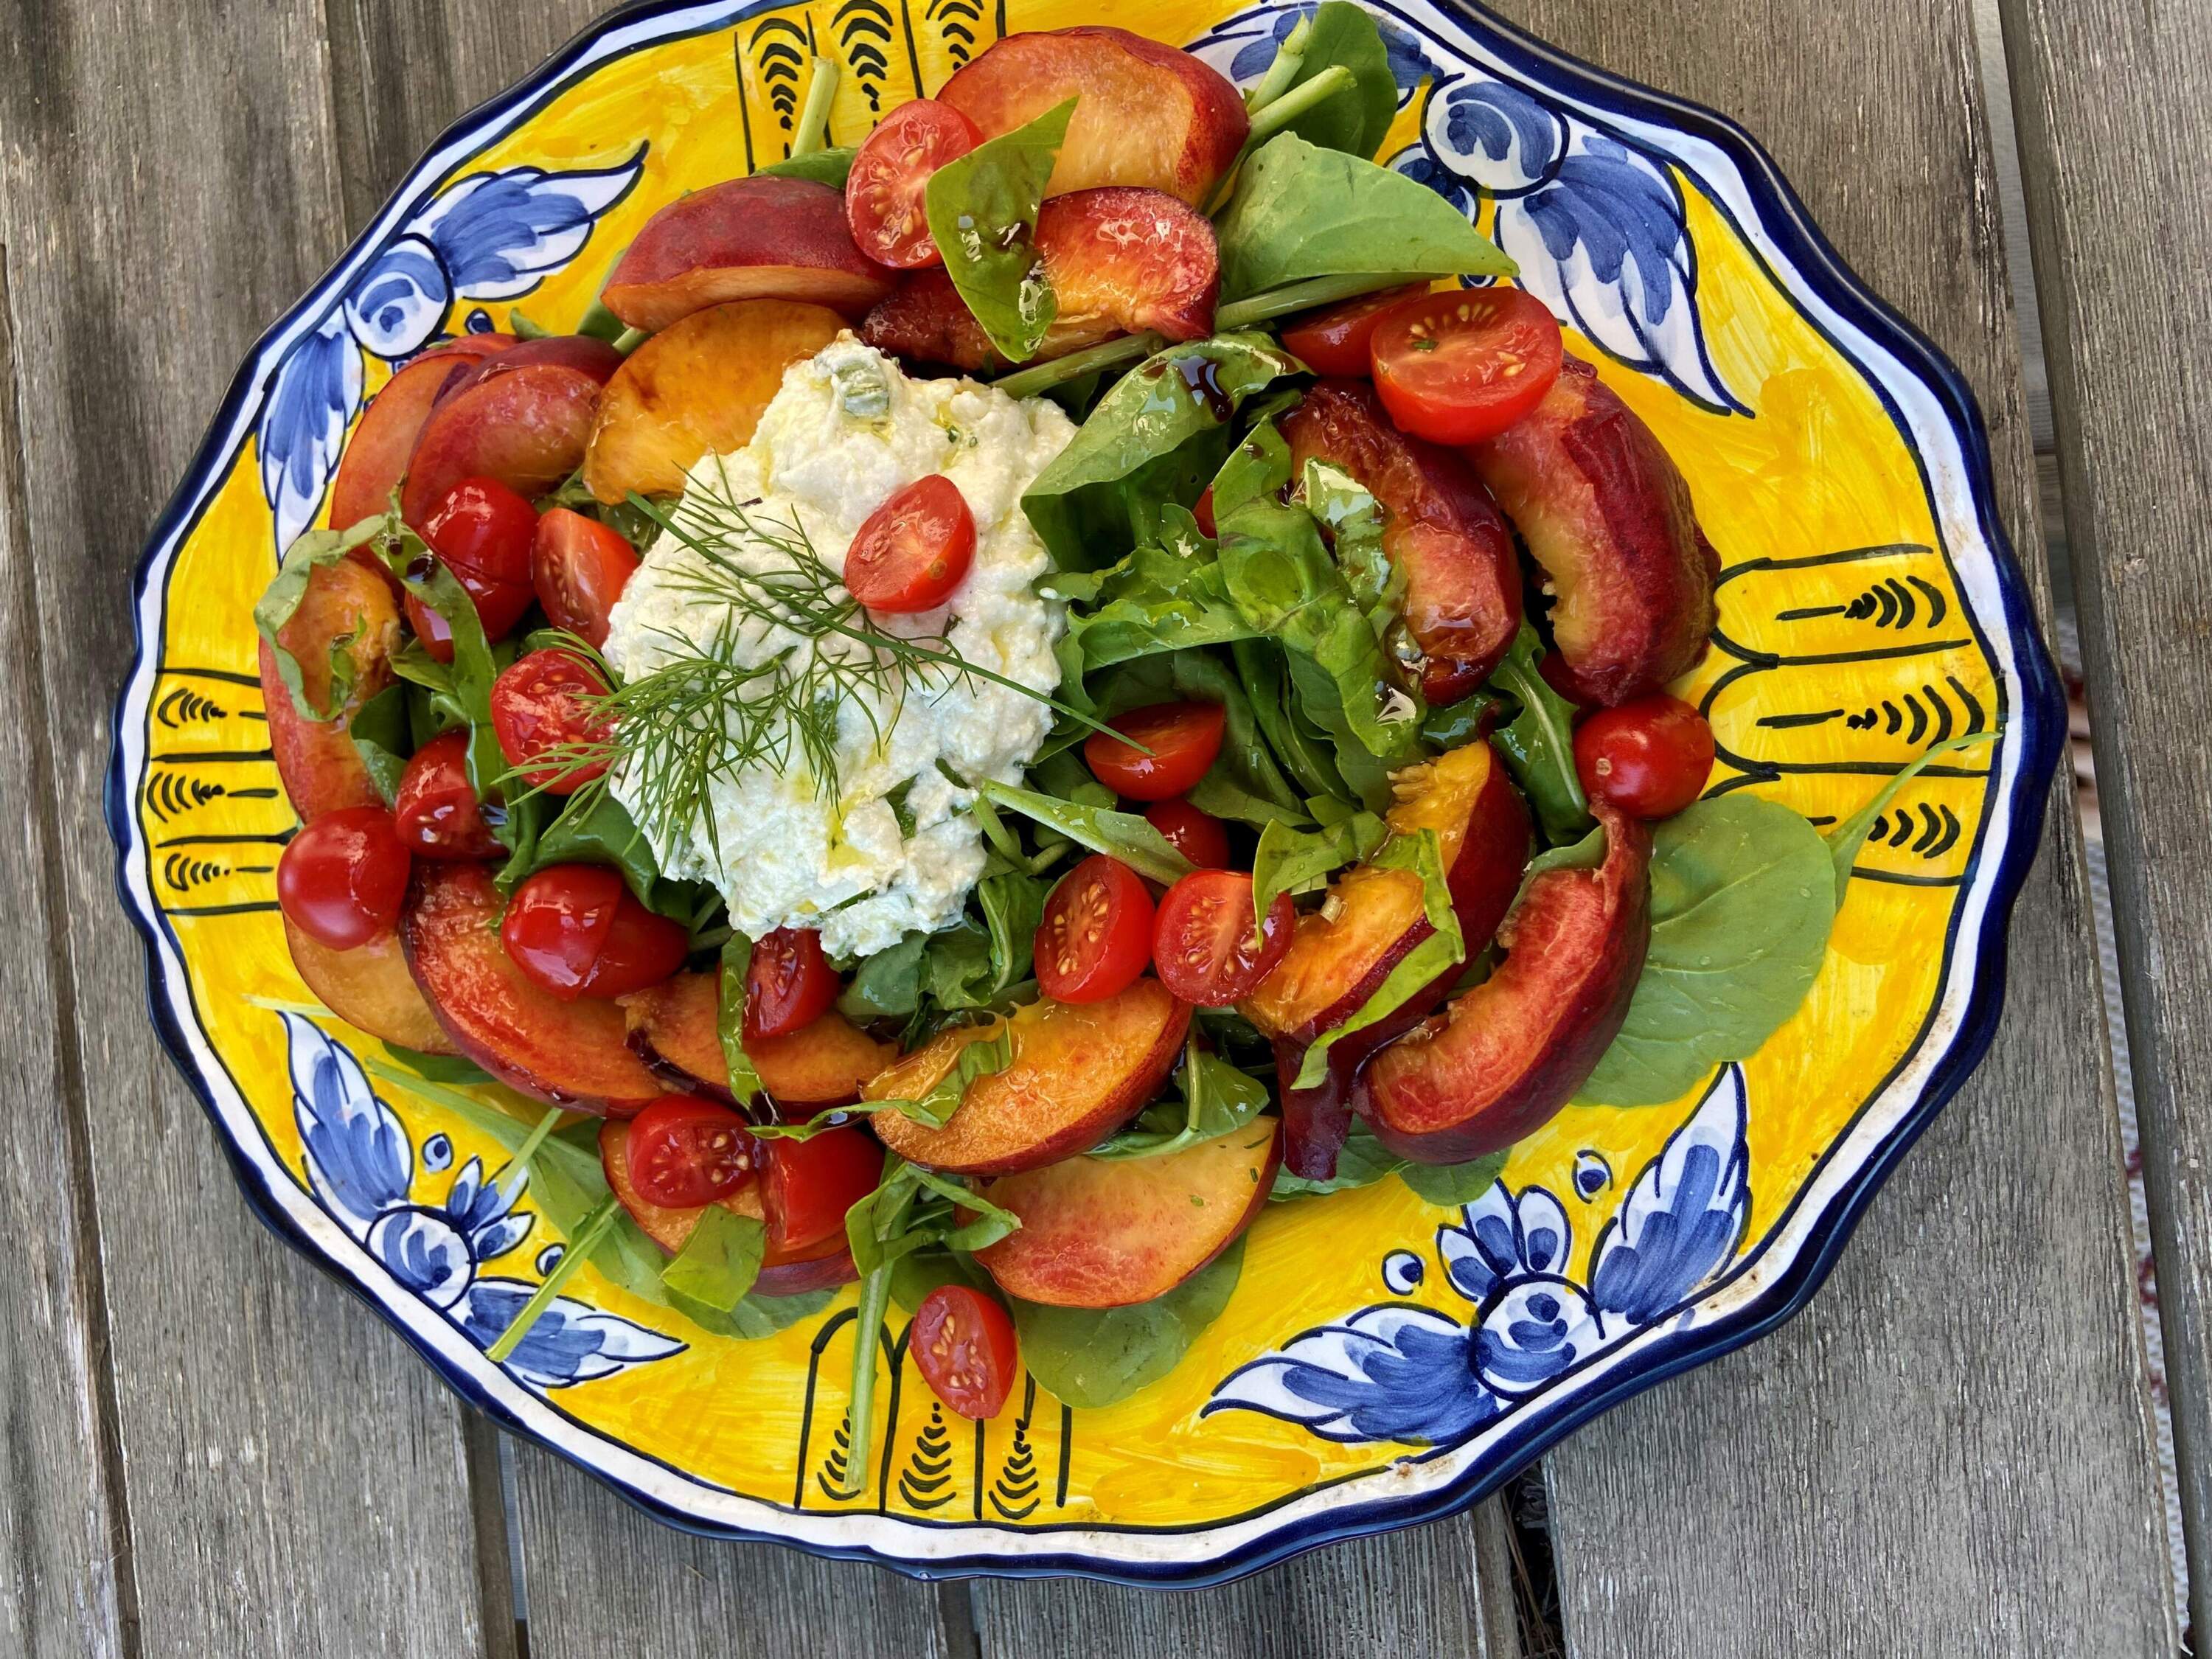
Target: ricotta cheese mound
[887,846]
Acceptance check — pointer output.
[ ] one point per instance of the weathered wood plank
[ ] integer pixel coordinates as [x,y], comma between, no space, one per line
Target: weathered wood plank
[2109,101]
[1948,1452]
[294,1481]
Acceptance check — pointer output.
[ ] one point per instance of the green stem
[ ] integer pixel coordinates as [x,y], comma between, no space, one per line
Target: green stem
[1304,296]
[630,339]
[1271,117]
[588,1235]
[1111,354]
[875,1298]
[1290,56]
[520,1163]
[813,129]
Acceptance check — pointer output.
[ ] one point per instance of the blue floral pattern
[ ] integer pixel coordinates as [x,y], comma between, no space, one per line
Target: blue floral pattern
[1398,1371]
[361,1169]
[487,236]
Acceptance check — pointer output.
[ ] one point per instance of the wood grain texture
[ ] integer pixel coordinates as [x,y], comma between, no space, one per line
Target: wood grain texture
[292,1478]
[1948,1452]
[2109,96]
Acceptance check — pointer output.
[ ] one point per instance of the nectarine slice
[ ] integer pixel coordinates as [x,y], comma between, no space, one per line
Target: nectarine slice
[827,1266]
[377,453]
[526,427]
[698,388]
[370,988]
[1079,1073]
[1107,1232]
[674,1027]
[316,761]
[926,321]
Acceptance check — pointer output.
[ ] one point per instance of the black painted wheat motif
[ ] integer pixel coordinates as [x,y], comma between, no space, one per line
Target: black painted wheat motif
[172,793]
[1937,829]
[959,24]
[864,31]
[1890,603]
[181,706]
[831,1474]
[780,48]
[1014,1494]
[926,1481]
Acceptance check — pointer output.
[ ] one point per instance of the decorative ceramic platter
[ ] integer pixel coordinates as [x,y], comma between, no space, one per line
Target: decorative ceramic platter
[1383,1360]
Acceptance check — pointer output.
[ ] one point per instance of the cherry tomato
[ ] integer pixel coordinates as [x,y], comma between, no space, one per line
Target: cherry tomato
[789,985]
[641,948]
[1198,836]
[1183,738]
[437,811]
[1336,341]
[482,527]
[343,877]
[578,568]
[1203,944]
[1204,513]
[1096,934]
[1460,367]
[542,712]
[914,549]
[810,1183]
[575,930]
[1649,757]
[883,192]
[963,1345]
[684,1152]
[499,606]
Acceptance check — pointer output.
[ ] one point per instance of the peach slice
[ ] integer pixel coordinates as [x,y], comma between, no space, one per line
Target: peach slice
[524,425]
[569,1053]
[376,455]
[674,1027]
[1606,512]
[370,988]
[1106,1232]
[829,1266]
[316,761]
[761,238]
[698,388]
[1147,114]
[1511,1052]
[1079,1073]
[925,320]
[1463,580]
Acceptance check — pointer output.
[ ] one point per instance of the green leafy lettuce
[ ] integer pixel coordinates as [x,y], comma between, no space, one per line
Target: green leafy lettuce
[982,209]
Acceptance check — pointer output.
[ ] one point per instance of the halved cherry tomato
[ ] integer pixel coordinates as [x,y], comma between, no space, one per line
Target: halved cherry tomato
[575,930]
[437,810]
[810,1184]
[1204,946]
[542,712]
[684,1152]
[1204,513]
[1183,738]
[789,985]
[1096,934]
[343,877]
[641,948]
[1460,367]
[965,1346]
[1649,758]
[578,568]
[914,549]
[883,192]
[1198,836]
[1336,341]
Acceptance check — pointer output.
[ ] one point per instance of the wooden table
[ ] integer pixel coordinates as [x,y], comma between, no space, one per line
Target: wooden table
[1951,1452]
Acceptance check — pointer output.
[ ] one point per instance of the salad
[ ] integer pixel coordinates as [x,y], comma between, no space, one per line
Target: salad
[1009,696]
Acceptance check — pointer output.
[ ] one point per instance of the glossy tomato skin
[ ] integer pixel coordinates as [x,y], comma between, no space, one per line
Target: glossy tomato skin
[557,923]
[1649,758]
[436,810]
[1203,944]
[883,192]
[343,879]
[1183,738]
[1096,933]
[963,1344]
[808,1185]
[481,531]
[641,948]
[789,985]
[539,707]
[1203,513]
[499,606]
[1460,367]
[1198,836]
[914,550]
[1336,341]
[578,568]
[684,1152]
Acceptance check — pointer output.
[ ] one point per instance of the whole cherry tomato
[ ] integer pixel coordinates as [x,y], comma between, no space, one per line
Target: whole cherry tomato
[436,810]
[684,1152]
[1198,836]
[576,931]
[578,568]
[1649,758]
[1458,366]
[914,550]
[343,877]
[1336,341]
[542,712]
[481,531]
[1096,933]
[965,1346]
[1183,738]
[789,985]
[1204,945]
[809,1185]
[883,193]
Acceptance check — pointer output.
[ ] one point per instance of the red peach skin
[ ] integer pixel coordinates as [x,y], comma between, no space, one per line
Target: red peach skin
[829,1266]
[527,427]
[320,769]
[1462,578]
[1509,1053]
[1147,114]
[674,1029]
[761,238]
[1606,512]
[376,455]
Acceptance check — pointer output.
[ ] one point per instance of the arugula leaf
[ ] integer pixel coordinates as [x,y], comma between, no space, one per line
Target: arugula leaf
[471,674]
[1262,669]
[1258,469]
[1539,742]
[1218,1099]
[592,827]
[824,166]
[718,1263]
[1287,861]
[1355,122]
[1012,901]
[915,1275]
[280,602]
[1301,211]
[1156,600]
[887,985]
[1090,1358]
[1436,955]
[1847,838]
[936,1104]
[383,737]
[1360,1161]
[1354,521]
[1244,783]
[730,1016]
[1743,896]
[1462,722]
[983,210]
[1454,1183]
[1126,835]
